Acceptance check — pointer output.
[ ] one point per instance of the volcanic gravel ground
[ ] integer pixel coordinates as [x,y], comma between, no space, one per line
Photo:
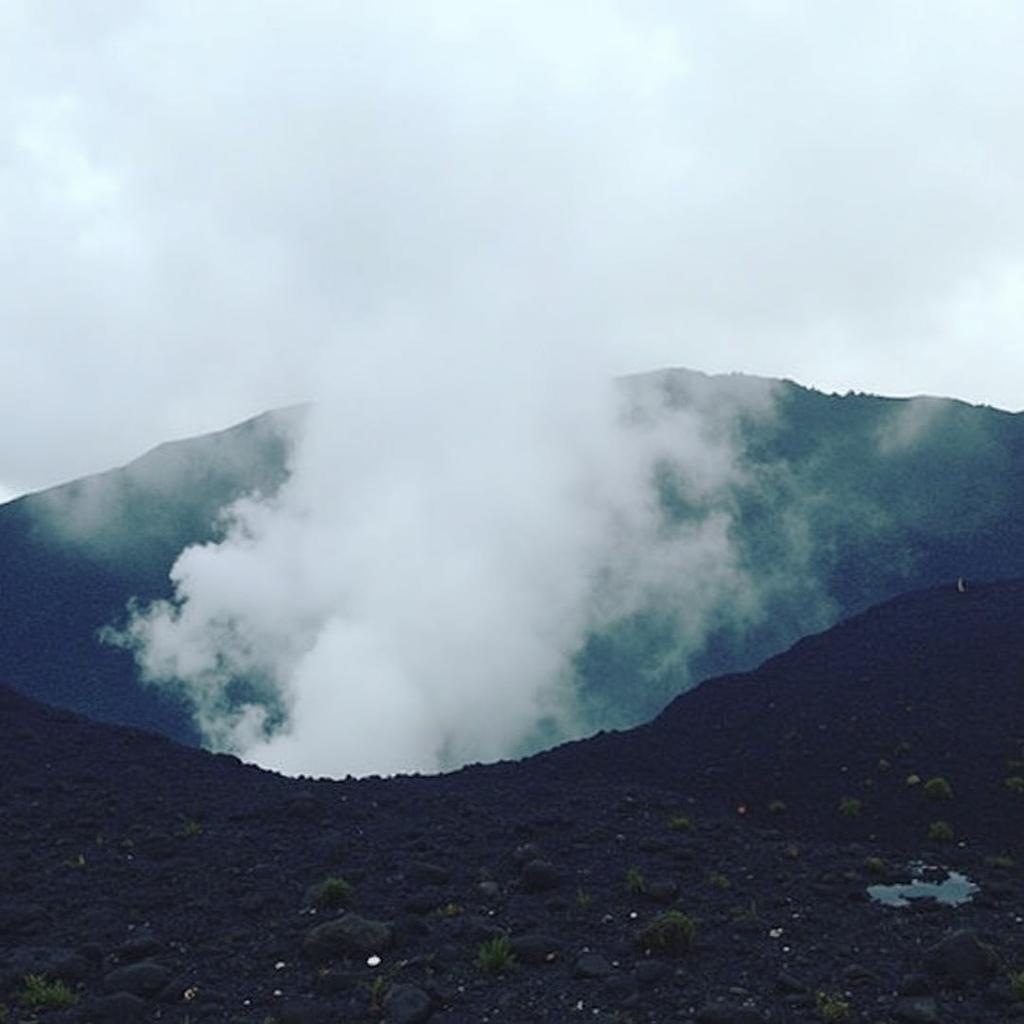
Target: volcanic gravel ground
[162,883]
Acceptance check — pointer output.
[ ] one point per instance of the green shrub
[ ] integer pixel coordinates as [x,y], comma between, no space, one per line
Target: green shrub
[1015,783]
[777,807]
[1001,860]
[39,993]
[495,955]
[680,823]
[333,892]
[850,806]
[1016,979]
[671,933]
[940,831]
[831,1008]
[717,880]
[583,898]
[938,788]
[635,883]
[874,865]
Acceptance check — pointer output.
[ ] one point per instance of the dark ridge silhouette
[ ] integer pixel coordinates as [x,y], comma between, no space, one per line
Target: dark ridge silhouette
[929,684]
[158,882]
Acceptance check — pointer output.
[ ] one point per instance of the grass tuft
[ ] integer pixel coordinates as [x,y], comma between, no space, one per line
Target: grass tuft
[1016,979]
[40,993]
[850,807]
[831,1008]
[635,882]
[495,955]
[680,823]
[938,788]
[333,892]
[672,933]
[940,832]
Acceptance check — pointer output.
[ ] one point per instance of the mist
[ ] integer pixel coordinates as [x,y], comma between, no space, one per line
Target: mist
[413,597]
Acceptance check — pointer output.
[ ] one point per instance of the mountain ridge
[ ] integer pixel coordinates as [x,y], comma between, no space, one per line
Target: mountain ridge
[824,521]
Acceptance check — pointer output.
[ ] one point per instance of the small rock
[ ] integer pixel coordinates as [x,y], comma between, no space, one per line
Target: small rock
[535,948]
[424,901]
[650,972]
[17,918]
[331,982]
[790,984]
[296,1012]
[916,1009]
[914,985]
[157,846]
[141,947]
[423,873]
[407,1004]
[539,876]
[409,927]
[251,903]
[662,890]
[347,936]
[119,1008]
[476,929]
[591,965]
[526,852]
[145,978]
[302,806]
[960,958]
[729,1013]
[857,972]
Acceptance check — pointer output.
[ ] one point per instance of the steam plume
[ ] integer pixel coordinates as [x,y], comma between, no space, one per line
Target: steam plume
[414,595]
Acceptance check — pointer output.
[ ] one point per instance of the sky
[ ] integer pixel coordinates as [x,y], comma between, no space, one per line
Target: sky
[208,210]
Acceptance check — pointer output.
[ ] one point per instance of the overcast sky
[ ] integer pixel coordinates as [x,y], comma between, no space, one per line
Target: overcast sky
[209,209]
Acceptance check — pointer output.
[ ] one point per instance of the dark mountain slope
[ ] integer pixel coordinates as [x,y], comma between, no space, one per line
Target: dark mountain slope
[841,502]
[928,684]
[163,883]
[72,556]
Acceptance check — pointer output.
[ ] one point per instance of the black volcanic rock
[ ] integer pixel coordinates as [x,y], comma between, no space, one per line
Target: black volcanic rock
[779,896]
[961,958]
[407,1004]
[350,935]
[924,686]
[145,978]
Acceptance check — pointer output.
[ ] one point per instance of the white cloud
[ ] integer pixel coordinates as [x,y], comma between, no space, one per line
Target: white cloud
[204,205]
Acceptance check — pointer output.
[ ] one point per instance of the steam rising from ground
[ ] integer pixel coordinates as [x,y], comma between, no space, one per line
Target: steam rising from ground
[413,597]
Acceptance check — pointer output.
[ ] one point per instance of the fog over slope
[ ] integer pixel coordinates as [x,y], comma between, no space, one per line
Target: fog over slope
[414,596]
[446,581]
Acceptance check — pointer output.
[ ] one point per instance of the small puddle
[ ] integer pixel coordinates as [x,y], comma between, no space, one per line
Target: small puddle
[954,889]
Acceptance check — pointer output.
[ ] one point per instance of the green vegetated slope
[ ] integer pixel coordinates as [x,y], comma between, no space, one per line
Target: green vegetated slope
[838,502]
[831,503]
[72,556]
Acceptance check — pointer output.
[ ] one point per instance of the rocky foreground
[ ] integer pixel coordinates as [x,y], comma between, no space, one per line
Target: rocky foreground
[712,866]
